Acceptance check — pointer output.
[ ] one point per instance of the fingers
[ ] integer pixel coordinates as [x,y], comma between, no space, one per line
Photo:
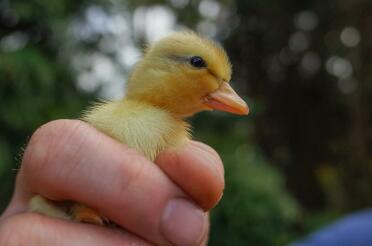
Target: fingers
[196,168]
[70,160]
[36,230]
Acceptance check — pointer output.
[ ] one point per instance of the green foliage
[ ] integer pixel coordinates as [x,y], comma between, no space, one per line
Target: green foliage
[256,208]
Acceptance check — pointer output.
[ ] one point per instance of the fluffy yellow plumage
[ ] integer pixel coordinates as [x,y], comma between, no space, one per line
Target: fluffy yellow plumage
[162,90]
[180,75]
[146,128]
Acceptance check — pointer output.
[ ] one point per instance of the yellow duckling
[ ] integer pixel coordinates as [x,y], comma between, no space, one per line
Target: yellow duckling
[180,75]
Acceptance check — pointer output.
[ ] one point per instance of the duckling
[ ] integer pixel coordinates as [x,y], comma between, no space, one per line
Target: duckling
[179,76]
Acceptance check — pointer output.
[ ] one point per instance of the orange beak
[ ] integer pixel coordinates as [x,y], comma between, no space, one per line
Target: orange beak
[226,99]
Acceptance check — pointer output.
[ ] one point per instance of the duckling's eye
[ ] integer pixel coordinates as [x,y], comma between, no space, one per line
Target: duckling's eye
[198,62]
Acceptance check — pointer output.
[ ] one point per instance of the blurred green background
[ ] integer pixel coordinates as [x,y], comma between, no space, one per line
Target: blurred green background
[297,162]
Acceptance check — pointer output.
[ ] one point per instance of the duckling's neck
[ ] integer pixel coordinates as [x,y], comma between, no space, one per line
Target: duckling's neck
[144,127]
[143,103]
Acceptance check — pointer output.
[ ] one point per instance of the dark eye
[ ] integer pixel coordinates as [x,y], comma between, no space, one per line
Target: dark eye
[198,62]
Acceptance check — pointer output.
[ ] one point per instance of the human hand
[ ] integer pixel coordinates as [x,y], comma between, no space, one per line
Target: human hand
[163,204]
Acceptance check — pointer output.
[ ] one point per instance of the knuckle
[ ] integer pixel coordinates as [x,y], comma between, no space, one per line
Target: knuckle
[44,142]
[133,173]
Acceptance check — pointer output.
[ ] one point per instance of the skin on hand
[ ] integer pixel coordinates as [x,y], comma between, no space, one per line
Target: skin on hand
[162,204]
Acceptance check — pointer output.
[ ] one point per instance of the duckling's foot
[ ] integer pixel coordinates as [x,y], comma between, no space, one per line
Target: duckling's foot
[83,214]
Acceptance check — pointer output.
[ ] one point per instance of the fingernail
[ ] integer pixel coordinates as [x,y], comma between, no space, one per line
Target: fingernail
[183,223]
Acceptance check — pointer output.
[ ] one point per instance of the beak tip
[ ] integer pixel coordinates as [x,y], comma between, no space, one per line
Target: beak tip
[245,111]
[226,99]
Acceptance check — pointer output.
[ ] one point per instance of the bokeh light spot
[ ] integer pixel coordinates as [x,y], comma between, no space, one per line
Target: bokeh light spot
[209,8]
[207,28]
[310,63]
[339,67]
[350,37]
[306,20]
[299,42]
[180,4]
[13,42]
[154,22]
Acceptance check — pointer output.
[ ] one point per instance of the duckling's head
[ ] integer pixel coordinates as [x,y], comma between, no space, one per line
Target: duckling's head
[185,74]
